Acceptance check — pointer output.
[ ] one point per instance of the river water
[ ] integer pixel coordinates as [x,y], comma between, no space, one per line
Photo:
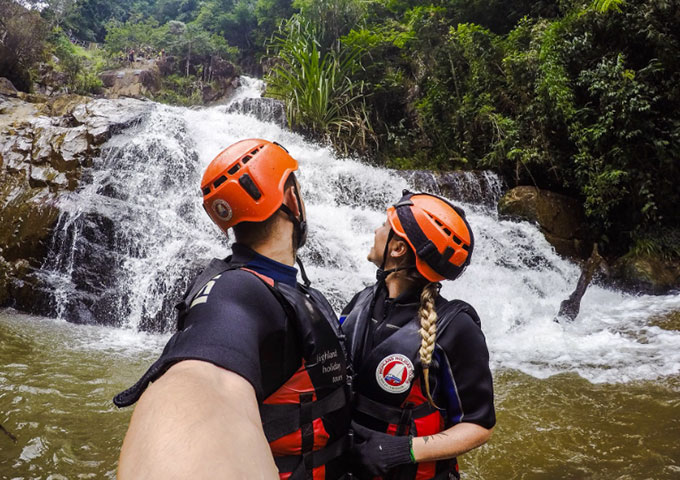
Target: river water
[597,398]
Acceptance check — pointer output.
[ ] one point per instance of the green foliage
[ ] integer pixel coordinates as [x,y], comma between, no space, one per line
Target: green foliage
[180,90]
[332,18]
[661,242]
[81,67]
[604,6]
[136,35]
[22,43]
[87,19]
[577,97]
[316,86]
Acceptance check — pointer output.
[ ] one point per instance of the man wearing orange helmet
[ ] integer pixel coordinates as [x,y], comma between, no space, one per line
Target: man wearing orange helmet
[423,390]
[254,381]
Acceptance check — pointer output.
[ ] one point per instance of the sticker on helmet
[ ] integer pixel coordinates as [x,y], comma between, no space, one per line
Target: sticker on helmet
[394,373]
[222,209]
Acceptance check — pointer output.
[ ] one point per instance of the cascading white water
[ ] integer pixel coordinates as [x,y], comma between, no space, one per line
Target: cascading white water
[135,233]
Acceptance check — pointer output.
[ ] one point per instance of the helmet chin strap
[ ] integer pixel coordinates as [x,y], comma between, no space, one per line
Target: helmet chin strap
[299,234]
[381,274]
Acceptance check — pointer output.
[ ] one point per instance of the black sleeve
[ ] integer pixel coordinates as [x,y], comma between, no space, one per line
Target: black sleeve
[469,394]
[237,324]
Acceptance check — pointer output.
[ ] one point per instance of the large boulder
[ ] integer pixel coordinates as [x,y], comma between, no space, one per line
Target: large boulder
[560,218]
[7,88]
[63,105]
[141,80]
[646,273]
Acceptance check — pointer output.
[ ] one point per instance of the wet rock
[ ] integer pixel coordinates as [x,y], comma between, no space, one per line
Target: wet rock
[63,105]
[43,176]
[422,180]
[647,274]
[15,150]
[103,118]
[73,148]
[7,88]
[264,109]
[33,97]
[668,321]
[25,220]
[462,186]
[560,218]
[141,80]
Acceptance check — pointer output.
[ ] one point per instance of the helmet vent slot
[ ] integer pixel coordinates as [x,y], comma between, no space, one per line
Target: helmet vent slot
[246,159]
[234,169]
[206,190]
[441,225]
[457,240]
[219,181]
[249,186]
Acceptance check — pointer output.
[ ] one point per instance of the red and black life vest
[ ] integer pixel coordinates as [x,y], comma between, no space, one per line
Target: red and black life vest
[295,418]
[389,394]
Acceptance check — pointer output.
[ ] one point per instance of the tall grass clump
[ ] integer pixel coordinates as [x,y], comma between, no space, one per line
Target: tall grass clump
[316,86]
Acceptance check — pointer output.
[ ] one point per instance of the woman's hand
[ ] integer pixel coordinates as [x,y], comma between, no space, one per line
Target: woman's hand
[377,452]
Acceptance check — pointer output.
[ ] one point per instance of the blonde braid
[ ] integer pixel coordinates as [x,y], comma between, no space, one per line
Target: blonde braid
[428,332]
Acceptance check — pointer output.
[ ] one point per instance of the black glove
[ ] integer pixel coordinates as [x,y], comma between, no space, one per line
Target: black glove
[376,453]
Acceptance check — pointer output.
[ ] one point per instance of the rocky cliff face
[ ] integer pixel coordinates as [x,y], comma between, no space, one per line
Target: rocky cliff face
[562,221]
[561,218]
[45,144]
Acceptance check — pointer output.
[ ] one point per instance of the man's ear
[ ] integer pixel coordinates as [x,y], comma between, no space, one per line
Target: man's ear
[399,248]
[290,199]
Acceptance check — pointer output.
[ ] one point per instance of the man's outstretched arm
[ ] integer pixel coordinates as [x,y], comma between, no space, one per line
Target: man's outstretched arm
[197,421]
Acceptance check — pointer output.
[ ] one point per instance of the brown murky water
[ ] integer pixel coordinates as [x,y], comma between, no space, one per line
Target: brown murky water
[57,380]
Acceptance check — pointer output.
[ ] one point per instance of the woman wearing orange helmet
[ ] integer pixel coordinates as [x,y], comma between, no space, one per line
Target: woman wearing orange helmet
[423,390]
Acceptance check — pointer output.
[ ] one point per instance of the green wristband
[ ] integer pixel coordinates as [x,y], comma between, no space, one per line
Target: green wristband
[410,448]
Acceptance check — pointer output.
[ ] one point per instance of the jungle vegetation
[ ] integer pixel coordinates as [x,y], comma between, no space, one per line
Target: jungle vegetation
[580,97]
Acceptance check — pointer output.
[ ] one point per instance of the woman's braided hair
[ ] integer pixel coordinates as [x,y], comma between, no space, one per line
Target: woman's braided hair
[428,332]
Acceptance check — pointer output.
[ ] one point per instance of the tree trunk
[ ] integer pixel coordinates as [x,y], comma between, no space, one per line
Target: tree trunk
[570,307]
[188,59]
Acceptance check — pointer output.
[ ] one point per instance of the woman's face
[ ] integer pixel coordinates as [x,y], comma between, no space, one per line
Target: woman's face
[375,256]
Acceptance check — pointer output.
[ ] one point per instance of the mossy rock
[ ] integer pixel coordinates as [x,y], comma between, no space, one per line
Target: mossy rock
[669,321]
[647,273]
[65,104]
[561,218]
[26,220]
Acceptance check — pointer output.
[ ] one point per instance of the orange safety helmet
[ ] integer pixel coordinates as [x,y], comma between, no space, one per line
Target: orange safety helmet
[437,231]
[245,182]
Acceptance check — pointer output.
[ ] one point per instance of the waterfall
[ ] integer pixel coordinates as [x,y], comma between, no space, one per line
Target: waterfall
[134,234]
